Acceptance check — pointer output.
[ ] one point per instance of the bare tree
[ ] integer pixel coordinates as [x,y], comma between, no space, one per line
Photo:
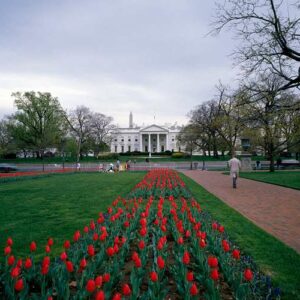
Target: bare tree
[101,126]
[79,121]
[229,118]
[269,34]
[204,117]
[269,112]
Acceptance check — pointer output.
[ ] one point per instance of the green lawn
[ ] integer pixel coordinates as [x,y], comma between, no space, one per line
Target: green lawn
[289,179]
[57,205]
[272,256]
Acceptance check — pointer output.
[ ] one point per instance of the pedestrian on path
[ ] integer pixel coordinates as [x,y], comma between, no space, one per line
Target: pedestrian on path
[234,165]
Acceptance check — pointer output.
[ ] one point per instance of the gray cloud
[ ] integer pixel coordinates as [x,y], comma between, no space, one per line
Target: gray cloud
[113,56]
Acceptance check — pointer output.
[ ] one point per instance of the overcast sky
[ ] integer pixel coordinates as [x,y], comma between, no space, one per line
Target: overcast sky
[115,56]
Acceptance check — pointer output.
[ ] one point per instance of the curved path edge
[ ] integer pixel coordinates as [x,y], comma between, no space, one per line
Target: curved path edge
[273,208]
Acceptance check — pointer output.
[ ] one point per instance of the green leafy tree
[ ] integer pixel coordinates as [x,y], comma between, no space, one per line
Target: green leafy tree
[38,123]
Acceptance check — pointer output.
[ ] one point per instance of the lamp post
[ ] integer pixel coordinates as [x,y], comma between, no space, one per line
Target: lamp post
[246,156]
[63,140]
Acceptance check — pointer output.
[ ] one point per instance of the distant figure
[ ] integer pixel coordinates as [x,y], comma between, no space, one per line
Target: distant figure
[257,165]
[278,162]
[234,165]
[78,166]
[101,167]
[111,167]
[118,165]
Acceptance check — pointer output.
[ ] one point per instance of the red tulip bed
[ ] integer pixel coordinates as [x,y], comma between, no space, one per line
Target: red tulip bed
[156,243]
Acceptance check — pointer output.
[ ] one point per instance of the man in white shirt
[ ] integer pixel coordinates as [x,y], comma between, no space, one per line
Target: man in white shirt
[234,165]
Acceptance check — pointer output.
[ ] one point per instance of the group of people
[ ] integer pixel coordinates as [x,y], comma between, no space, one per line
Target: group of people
[111,168]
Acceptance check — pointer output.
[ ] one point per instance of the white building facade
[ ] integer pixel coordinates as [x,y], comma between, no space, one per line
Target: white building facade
[153,138]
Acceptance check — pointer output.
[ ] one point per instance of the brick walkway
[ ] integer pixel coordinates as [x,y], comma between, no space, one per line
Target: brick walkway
[273,208]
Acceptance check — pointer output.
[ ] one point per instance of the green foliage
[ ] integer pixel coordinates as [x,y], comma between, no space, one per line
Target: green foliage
[178,155]
[38,122]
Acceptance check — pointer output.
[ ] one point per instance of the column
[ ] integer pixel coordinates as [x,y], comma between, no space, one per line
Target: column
[149,143]
[141,142]
[167,141]
[157,144]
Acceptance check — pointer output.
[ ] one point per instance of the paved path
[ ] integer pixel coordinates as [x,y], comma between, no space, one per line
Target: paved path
[273,208]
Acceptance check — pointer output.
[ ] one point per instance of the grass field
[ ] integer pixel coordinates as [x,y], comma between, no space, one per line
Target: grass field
[55,206]
[289,179]
[272,256]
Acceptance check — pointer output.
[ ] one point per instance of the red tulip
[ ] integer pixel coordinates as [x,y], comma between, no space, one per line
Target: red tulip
[19,263]
[186,258]
[138,262]
[110,251]
[50,242]
[236,254]
[160,262]
[212,262]
[143,222]
[90,286]
[106,277]
[193,290]
[11,260]
[214,274]
[67,244]
[32,246]
[214,226]
[76,236]
[28,263]
[91,250]
[9,242]
[85,229]
[19,285]
[83,263]
[190,276]
[126,224]
[187,234]
[7,250]
[117,296]
[63,256]
[202,243]
[47,249]
[221,229]
[126,290]
[141,244]
[98,281]
[69,266]
[100,295]
[153,276]
[180,240]
[15,272]
[95,236]
[248,275]
[143,231]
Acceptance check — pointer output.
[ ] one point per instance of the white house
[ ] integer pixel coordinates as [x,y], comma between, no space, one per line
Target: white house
[153,138]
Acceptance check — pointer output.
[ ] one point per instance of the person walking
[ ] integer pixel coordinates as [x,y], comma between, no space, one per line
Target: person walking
[235,166]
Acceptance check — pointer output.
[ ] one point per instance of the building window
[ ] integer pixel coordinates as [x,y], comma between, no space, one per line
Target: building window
[162,148]
[146,140]
[172,140]
[122,149]
[136,140]
[122,140]
[129,140]
[129,148]
[116,149]
[146,148]
[116,140]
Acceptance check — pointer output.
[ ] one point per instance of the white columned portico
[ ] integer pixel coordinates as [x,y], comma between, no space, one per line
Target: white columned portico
[158,149]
